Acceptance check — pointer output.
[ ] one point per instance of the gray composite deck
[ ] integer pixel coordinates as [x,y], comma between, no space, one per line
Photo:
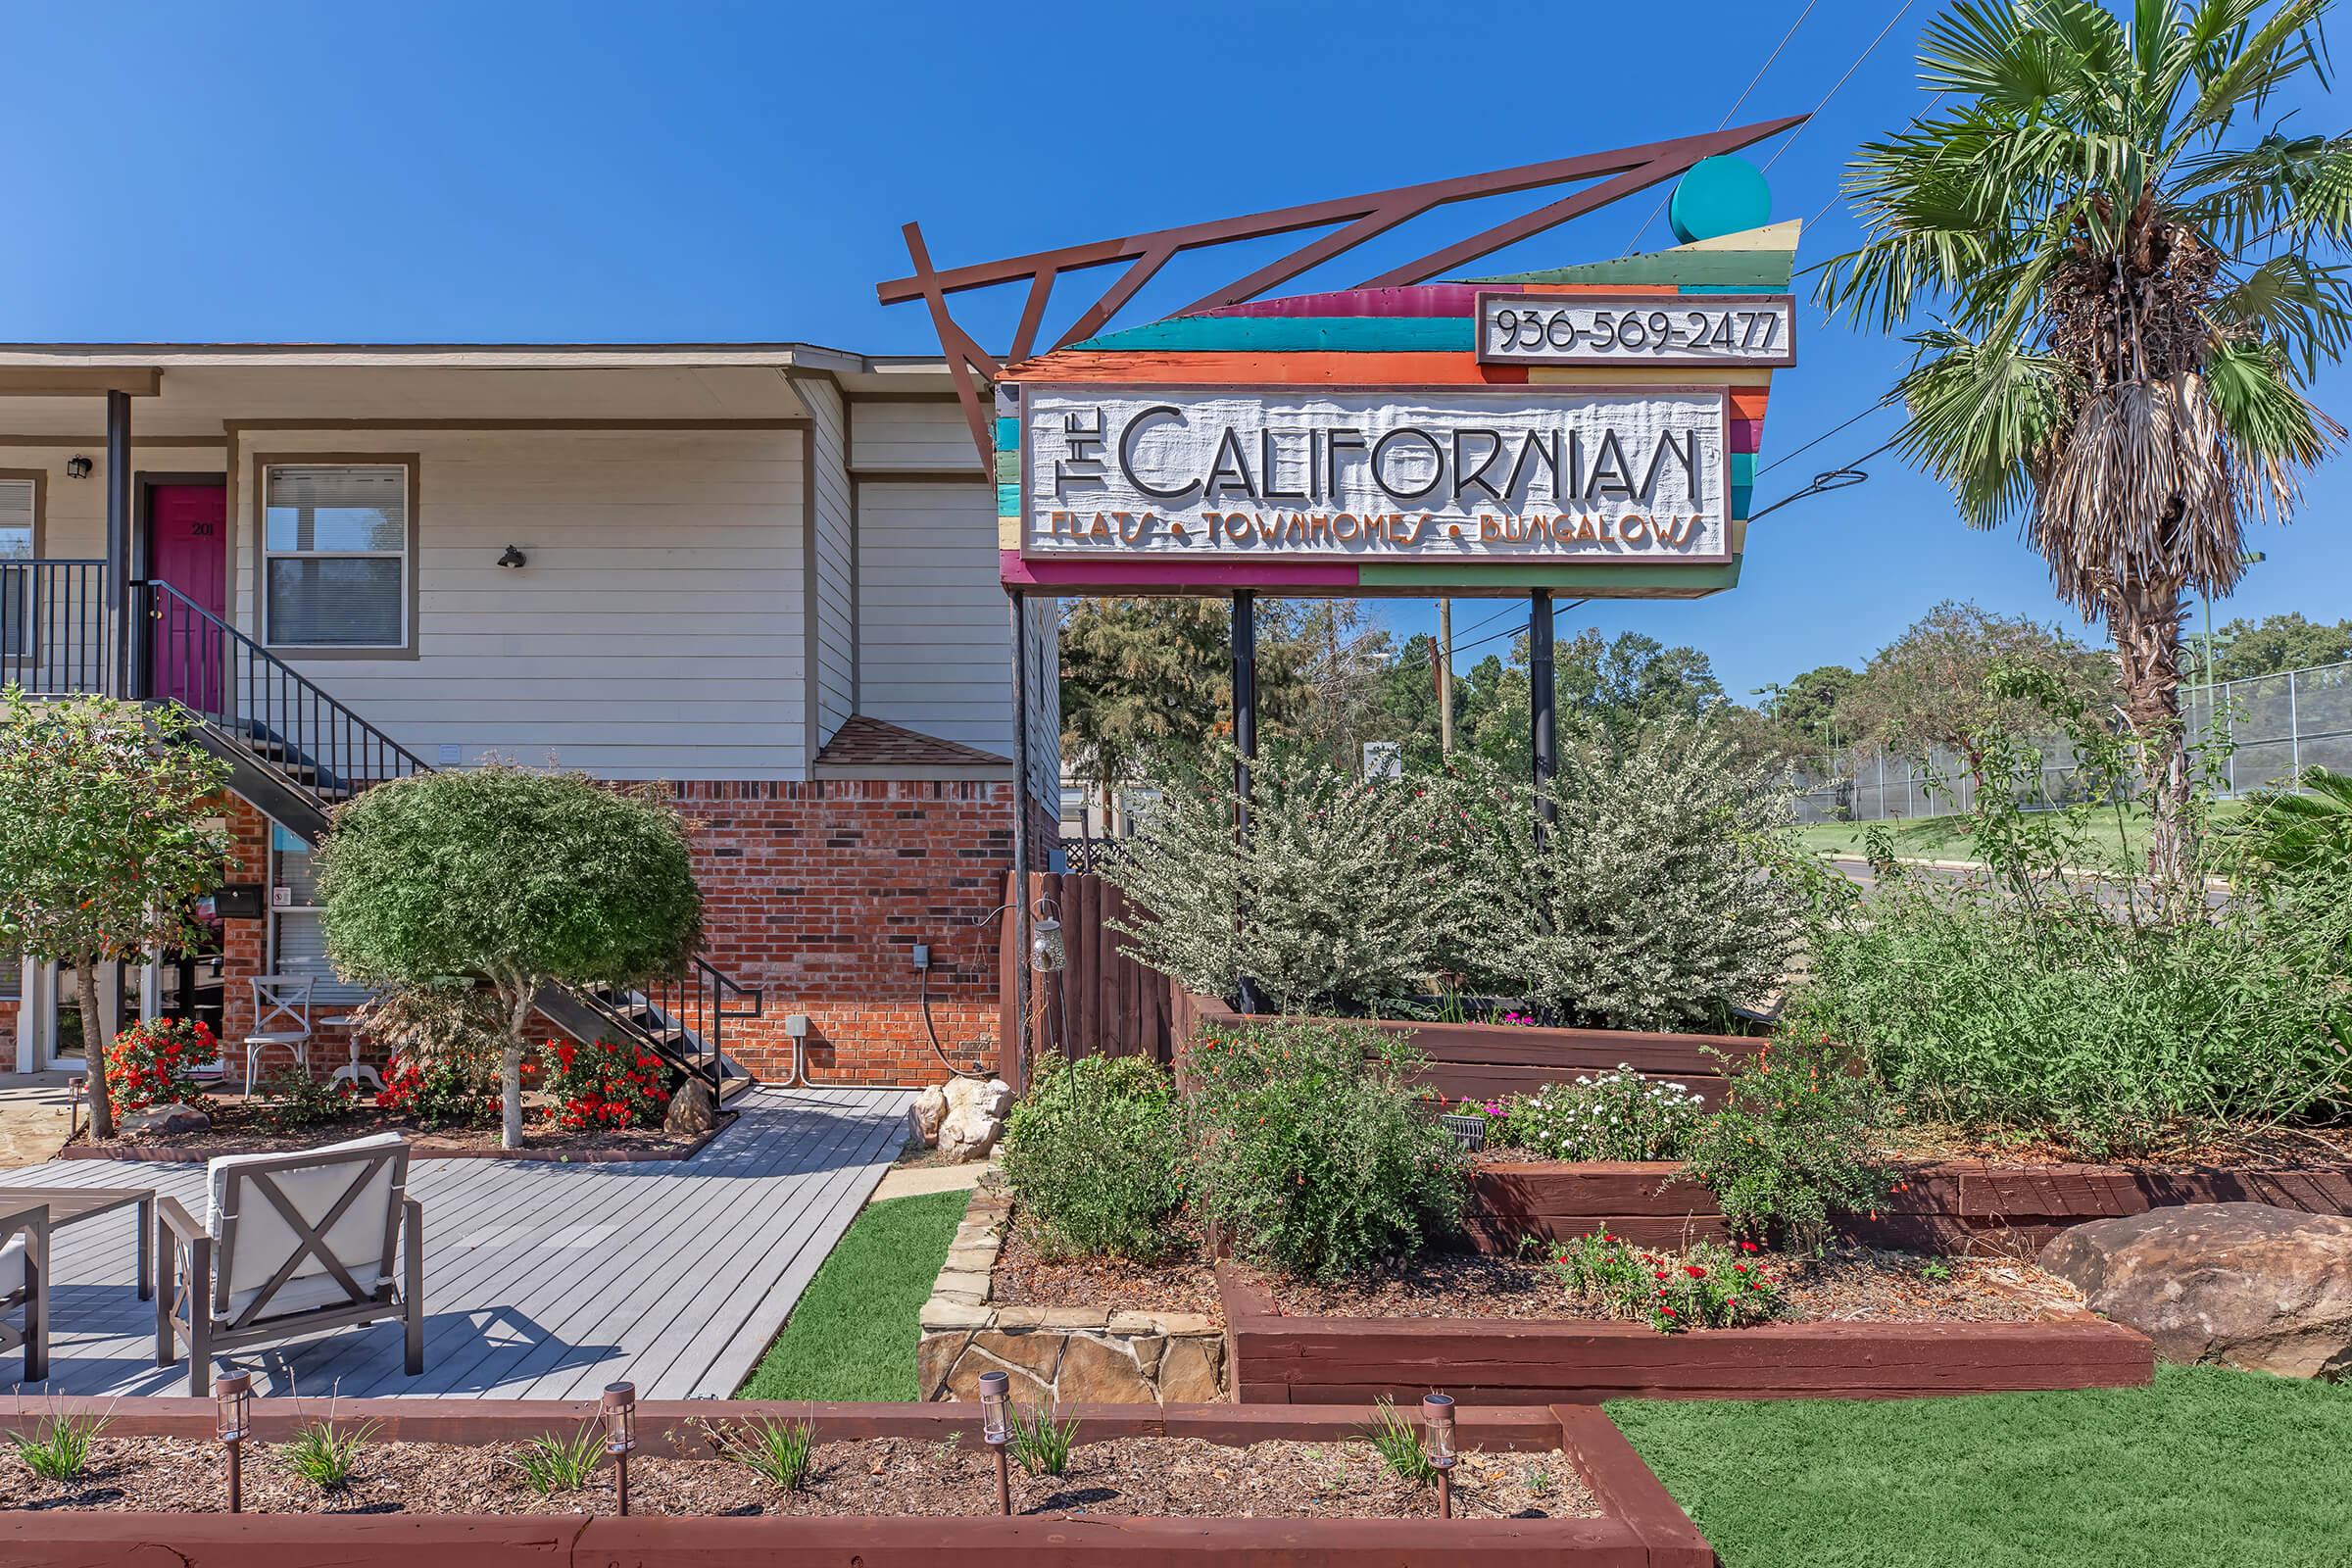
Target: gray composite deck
[541,1280]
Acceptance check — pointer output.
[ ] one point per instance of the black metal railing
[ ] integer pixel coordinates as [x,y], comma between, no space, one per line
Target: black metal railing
[692,1006]
[182,653]
[53,627]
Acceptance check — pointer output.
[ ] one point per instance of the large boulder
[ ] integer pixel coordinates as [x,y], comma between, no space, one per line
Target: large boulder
[923,1118]
[975,1117]
[2242,1285]
[176,1119]
[692,1111]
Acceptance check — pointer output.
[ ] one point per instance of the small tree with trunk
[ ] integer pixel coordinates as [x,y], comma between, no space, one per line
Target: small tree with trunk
[513,879]
[106,839]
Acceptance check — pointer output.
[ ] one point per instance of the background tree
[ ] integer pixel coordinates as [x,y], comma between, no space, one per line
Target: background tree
[2116,234]
[2278,643]
[513,879]
[1625,683]
[1806,706]
[1927,688]
[106,837]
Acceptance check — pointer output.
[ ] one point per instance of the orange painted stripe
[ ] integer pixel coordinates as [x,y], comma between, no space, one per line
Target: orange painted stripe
[1209,369]
[1748,402]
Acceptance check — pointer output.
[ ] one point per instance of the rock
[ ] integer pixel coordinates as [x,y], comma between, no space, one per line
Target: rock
[1039,1354]
[2242,1285]
[692,1113]
[975,1117]
[965,1382]
[1191,1371]
[174,1120]
[934,1359]
[923,1118]
[1094,1372]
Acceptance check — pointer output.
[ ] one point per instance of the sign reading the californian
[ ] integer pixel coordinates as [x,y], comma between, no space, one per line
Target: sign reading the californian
[1627,329]
[1521,472]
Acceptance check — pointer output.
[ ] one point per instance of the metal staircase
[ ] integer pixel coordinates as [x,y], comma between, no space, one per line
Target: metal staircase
[296,753]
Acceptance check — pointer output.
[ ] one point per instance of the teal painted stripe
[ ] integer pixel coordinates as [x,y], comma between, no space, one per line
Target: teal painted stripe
[1008,468]
[1297,334]
[1008,500]
[1743,470]
[1009,435]
[1740,494]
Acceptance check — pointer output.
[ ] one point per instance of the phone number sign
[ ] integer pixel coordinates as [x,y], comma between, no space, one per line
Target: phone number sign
[1632,329]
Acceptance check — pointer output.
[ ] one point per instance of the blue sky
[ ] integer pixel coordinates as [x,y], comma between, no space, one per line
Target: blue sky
[505,172]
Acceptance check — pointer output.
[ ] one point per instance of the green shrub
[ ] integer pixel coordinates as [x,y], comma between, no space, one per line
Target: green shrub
[1312,1152]
[295,1101]
[1793,1147]
[1705,1286]
[1616,1115]
[1095,1154]
[1663,895]
[1340,896]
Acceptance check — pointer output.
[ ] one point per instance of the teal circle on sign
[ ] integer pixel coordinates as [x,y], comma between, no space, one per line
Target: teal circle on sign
[1717,196]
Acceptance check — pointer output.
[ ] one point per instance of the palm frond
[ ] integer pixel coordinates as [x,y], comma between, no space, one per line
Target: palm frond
[2299,308]
[1979,411]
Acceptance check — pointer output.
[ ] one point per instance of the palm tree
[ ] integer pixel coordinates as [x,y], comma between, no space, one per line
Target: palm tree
[2112,231]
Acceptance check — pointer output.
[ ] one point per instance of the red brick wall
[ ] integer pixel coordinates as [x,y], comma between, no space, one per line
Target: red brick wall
[817,893]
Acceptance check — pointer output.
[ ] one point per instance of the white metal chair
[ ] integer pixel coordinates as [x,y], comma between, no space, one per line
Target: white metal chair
[291,1245]
[281,1017]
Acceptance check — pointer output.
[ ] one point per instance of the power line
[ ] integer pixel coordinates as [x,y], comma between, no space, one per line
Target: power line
[1867,51]
[1727,115]
[1824,435]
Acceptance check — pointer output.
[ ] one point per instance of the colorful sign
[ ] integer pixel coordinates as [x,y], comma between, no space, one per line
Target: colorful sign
[1514,473]
[1628,329]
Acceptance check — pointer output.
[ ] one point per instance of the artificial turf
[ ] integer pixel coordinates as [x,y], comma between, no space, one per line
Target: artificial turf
[2203,1469]
[853,1332]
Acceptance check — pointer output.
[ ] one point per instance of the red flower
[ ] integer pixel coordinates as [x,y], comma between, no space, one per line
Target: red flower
[1695,1271]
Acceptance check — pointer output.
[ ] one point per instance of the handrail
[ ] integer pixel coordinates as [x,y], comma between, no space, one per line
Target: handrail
[226,678]
[54,626]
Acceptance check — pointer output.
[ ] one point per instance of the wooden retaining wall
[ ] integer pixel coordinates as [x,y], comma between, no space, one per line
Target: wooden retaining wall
[1640,1526]
[1488,1062]
[1951,1206]
[1279,1359]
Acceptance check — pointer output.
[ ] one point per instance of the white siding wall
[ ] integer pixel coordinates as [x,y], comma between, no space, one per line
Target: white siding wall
[655,633]
[930,434]
[834,558]
[935,648]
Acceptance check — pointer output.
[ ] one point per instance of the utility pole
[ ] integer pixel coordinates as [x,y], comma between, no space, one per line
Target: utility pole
[1446,676]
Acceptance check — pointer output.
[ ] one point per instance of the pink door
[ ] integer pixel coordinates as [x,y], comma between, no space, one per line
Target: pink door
[187,547]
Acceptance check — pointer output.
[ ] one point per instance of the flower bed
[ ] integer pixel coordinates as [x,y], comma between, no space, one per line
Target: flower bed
[891,1485]
[1482,1061]
[1288,1357]
[1946,1207]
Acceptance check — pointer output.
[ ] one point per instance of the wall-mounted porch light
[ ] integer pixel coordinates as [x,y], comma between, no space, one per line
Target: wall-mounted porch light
[514,559]
[77,467]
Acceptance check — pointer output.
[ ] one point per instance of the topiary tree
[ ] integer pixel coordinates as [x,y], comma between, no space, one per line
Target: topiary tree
[105,838]
[511,878]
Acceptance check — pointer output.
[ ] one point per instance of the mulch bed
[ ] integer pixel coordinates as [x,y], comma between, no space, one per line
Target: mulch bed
[1150,1477]
[2245,1148]
[1027,1277]
[241,1126]
[1851,1284]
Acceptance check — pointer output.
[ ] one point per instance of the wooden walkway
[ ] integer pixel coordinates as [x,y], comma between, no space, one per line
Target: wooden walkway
[541,1280]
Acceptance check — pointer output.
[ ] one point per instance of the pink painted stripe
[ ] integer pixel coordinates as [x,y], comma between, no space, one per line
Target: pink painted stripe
[1421,299]
[1025,573]
[1747,435]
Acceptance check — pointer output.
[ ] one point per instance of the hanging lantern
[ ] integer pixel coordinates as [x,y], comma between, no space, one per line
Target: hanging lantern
[1048,952]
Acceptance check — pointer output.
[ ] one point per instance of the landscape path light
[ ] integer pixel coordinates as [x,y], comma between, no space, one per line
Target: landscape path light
[1437,1415]
[232,1422]
[996,1429]
[620,1437]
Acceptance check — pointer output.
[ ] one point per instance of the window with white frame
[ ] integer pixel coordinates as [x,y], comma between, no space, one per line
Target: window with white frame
[335,548]
[18,498]
[297,939]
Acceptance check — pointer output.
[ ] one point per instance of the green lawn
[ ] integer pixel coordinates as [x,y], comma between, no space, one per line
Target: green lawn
[2206,1469]
[853,1334]
[1944,838]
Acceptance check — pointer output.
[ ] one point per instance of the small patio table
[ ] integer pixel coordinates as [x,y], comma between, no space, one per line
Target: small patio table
[69,1205]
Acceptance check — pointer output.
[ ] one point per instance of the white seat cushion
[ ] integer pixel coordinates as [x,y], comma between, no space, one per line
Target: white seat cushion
[263,1239]
[12,1277]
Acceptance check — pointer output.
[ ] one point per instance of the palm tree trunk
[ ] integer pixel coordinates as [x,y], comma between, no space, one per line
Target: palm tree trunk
[2146,622]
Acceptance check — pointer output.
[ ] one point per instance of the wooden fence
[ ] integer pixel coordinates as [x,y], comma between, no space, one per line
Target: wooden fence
[1114,1006]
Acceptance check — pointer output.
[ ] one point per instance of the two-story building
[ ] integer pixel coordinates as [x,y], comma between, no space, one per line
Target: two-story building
[764,575]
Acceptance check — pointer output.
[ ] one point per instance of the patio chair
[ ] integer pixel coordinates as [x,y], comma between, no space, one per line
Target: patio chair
[291,1245]
[24,1286]
[281,1017]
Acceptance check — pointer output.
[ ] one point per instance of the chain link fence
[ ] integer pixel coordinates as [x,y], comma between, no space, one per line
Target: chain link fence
[2272,729]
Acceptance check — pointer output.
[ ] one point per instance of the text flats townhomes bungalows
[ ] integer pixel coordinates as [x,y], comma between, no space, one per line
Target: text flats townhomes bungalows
[763,575]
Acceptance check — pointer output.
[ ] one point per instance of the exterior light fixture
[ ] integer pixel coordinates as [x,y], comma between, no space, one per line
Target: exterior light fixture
[620,1437]
[233,1423]
[1049,954]
[996,1429]
[77,467]
[514,559]
[1437,1416]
